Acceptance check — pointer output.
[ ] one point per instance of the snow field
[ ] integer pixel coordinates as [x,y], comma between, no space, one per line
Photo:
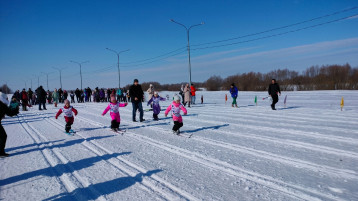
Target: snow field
[306,151]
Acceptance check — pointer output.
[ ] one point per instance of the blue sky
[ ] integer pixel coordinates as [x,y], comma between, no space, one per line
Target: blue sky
[38,35]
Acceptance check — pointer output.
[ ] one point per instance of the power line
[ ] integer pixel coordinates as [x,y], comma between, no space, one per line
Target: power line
[155,60]
[278,28]
[155,56]
[279,34]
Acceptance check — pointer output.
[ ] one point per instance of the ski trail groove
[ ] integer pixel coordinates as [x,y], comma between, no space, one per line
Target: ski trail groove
[292,190]
[339,173]
[71,181]
[155,183]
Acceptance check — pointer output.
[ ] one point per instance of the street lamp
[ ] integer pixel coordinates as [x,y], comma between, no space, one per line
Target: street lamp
[80,64]
[60,70]
[119,75]
[47,78]
[187,34]
[38,80]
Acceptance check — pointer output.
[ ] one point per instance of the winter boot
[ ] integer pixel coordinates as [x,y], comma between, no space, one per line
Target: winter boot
[235,105]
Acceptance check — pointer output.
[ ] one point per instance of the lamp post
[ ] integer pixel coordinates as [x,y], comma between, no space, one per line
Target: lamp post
[119,74]
[80,64]
[187,34]
[47,78]
[60,70]
[38,80]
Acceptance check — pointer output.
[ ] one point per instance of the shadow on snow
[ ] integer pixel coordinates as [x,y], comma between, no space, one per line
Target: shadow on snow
[61,169]
[103,188]
[65,144]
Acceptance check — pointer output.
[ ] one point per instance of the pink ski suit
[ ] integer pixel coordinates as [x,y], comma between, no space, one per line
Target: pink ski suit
[114,107]
[175,108]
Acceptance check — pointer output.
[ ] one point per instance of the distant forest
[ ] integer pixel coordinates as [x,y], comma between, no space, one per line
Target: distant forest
[327,77]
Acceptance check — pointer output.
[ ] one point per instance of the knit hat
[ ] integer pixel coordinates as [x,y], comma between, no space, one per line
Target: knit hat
[3,98]
[155,93]
[176,98]
[135,80]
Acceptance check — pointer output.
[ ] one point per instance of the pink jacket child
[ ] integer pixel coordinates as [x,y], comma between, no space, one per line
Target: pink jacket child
[113,106]
[175,108]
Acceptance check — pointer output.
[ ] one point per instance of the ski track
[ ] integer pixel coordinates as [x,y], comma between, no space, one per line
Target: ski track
[314,147]
[71,181]
[250,118]
[292,116]
[331,128]
[286,130]
[156,183]
[294,191]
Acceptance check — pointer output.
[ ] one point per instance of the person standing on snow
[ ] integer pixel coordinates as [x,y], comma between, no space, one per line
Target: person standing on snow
[274,91]
[136,94]
[29,95]
[55,97]
[150,94]
[234,92]
[192,93]
[187,95]
[4,109]
[41,97]
[24,100]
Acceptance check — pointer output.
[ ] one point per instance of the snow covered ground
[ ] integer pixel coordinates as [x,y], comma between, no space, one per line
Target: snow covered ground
[306,151]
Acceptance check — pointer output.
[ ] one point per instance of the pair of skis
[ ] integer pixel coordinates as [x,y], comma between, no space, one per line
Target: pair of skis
[71,132]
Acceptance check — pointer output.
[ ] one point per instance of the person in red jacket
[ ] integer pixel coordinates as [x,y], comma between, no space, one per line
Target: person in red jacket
[192,93]
[24,100]
[68,110]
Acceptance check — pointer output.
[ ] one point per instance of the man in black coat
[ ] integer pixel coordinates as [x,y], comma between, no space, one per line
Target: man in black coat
[274,91]
[78,95]
[41,97]
[136,94]
[4,109]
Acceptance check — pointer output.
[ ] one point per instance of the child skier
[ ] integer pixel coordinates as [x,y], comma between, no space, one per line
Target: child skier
[114,107]
[175,107]
[156,107]
[68,110]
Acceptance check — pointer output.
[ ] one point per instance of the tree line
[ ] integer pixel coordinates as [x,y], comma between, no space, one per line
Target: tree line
[325,77]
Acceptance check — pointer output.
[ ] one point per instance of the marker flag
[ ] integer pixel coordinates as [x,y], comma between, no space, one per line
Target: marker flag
[284,102]
[256,100]
[342,103]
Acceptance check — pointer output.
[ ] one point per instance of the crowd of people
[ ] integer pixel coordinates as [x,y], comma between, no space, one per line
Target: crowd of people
[134,94]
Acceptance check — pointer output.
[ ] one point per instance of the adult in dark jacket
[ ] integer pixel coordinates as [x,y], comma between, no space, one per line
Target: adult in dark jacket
[41,97]
[60,95]
[78,95]
[30,93]
[136,94]
[4,109]
[274,91]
